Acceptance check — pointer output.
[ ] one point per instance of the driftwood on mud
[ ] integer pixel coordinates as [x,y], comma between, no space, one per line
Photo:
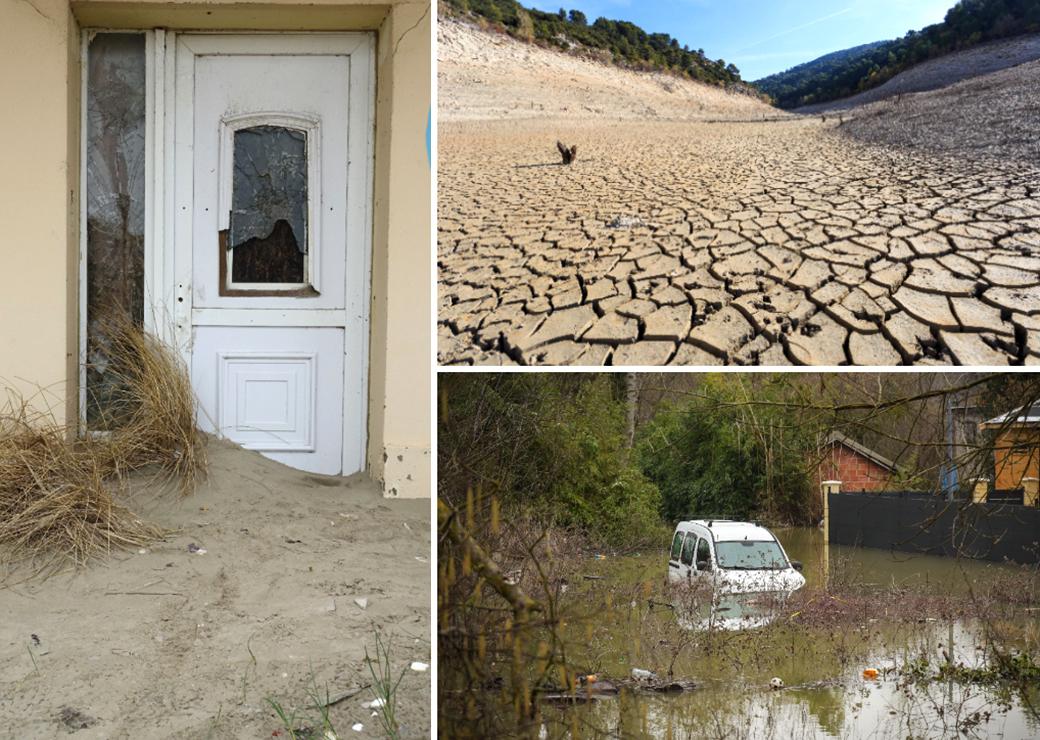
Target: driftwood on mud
[569,155]
[605,689]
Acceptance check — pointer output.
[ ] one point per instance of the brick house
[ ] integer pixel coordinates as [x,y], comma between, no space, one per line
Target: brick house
[858,467]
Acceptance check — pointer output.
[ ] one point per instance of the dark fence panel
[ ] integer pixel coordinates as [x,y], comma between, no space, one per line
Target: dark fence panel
[922,523]
[1008,496]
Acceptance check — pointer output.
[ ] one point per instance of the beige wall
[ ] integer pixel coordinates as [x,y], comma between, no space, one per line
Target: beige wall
[39,68]
[401,279]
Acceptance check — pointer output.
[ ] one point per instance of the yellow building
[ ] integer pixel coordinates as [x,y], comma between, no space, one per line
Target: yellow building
[1016,450]
[251,180]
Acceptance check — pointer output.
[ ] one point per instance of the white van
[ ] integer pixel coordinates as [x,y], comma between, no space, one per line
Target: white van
[735,557]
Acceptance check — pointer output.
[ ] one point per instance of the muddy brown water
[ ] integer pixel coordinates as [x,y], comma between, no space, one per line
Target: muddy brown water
[825,693]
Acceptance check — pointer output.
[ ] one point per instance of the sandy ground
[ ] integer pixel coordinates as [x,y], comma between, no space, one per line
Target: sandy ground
[162,644]
[699,243]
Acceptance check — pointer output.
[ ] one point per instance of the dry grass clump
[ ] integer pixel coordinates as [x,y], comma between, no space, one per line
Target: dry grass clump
[153,409]
[56,499]
[58,494]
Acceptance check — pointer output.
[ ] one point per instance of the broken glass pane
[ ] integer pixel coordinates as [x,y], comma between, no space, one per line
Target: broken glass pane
[268,230]
[115,139]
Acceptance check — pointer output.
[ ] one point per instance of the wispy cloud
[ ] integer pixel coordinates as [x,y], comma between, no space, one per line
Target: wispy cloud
[827,17]
[804,54]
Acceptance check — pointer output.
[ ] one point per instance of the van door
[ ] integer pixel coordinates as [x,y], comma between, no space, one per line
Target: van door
[686,558]
[674,566]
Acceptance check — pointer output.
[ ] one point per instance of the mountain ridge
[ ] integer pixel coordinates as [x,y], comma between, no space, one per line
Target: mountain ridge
[844,73]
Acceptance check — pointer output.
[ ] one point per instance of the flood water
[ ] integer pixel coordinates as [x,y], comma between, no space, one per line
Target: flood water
[825,692]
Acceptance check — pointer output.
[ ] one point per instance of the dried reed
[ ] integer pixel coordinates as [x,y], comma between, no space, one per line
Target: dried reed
[58,494]
[152,413]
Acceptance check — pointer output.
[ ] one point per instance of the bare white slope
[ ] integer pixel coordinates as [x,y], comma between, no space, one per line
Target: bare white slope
[991,116]
[484,75]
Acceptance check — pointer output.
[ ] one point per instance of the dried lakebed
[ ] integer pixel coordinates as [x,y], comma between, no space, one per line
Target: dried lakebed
[741,243]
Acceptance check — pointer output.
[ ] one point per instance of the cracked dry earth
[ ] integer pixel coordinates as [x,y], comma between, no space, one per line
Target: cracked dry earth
[708,244]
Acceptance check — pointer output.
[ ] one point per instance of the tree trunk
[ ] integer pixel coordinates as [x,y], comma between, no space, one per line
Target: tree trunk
[632,403]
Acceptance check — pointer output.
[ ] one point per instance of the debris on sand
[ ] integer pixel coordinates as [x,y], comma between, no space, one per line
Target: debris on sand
[75,719]
[568,154]
[625,222]
[342,695]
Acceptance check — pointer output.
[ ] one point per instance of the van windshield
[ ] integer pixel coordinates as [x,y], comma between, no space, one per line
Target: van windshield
[750,555]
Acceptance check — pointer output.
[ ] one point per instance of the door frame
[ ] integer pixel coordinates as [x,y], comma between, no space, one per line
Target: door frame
[168,311]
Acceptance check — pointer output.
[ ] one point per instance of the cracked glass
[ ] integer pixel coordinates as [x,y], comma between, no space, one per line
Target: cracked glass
[268,224]
[115,193]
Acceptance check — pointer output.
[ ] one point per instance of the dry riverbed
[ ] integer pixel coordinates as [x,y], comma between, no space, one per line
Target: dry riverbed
[697,243]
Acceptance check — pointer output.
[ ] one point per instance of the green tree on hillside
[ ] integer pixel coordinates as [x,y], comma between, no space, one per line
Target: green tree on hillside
[717,456]
[627,43]
[841,74]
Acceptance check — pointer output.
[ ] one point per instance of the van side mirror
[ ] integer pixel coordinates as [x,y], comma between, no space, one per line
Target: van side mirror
[797,565]
[703,565]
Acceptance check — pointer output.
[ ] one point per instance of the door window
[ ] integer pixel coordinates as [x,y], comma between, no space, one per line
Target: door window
[267,240]
[704,554]
[676,546]
[115,205]
[688,548]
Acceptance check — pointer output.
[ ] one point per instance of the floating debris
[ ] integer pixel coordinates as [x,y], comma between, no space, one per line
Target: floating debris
[640,674]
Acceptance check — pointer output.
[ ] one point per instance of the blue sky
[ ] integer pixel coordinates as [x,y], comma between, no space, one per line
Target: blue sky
[765,36]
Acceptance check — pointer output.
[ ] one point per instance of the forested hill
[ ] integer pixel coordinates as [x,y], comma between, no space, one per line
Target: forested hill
[620,42]
[845,73]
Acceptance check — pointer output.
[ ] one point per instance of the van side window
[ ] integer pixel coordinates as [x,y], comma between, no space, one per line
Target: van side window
[688,548]
[704,552]
[676,545]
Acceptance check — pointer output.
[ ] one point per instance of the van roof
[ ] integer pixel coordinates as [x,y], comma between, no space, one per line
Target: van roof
[727,531]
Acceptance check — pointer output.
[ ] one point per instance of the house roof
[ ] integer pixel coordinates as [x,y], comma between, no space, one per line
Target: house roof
[1026,416]
[839,438]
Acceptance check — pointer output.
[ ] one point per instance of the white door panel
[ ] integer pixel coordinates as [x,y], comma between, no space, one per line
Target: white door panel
[271,225]
[273,400]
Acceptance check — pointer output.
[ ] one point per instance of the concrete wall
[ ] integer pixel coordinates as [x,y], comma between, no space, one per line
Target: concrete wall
[39,140]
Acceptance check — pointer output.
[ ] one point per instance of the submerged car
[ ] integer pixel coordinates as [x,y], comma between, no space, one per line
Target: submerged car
[737,574]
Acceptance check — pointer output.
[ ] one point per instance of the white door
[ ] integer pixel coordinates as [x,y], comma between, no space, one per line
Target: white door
[272,147]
